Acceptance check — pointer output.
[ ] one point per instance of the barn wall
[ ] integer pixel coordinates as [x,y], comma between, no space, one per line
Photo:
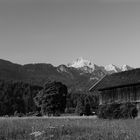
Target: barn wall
[120,95]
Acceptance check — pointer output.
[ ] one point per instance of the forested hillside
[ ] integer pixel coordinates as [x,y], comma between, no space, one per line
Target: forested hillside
[39,74]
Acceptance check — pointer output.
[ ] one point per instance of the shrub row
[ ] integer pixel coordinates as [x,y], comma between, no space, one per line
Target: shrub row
[117,111]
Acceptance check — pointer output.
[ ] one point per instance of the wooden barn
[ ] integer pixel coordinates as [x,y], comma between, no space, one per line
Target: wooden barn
[120,88]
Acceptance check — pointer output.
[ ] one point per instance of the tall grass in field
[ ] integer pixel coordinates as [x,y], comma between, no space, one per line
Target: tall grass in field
[77,128]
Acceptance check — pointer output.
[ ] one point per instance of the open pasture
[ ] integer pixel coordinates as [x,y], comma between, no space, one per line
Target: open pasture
[68,128]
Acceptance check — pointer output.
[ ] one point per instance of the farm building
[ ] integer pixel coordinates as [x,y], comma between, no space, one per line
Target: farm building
[119,88]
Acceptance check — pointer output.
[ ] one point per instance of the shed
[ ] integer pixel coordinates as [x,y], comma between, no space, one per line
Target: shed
[120,88]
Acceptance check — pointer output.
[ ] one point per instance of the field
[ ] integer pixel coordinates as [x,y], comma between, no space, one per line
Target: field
[68,128]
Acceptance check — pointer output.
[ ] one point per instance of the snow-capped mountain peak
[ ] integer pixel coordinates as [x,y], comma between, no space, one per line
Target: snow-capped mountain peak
[126,67]
[81,62]
[62,68]
[88,67]
[112,68]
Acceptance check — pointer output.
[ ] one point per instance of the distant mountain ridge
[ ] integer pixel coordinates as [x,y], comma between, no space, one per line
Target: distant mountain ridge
[78,76]
[85,64]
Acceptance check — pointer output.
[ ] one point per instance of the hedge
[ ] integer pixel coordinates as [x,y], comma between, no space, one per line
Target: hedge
[117,111]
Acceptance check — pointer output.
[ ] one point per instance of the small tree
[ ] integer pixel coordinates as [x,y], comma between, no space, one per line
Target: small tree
[79,110]
[52,99]
[87,109]
[87,106]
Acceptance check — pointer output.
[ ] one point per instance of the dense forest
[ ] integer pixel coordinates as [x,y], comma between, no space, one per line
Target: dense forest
[18,98]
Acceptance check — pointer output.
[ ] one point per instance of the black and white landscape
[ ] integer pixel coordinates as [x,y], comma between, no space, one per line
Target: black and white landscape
[48,92]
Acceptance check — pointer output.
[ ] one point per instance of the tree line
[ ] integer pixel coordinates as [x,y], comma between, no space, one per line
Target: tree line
[19,98]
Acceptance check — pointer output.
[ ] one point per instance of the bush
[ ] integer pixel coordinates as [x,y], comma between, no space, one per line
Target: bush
[79,110]
[70,110]
[117,111]
[87,110]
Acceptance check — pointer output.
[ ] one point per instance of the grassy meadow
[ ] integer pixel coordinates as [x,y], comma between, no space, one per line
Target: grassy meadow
[68,128]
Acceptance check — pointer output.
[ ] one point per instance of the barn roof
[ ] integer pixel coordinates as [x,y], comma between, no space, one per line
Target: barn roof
[126,78]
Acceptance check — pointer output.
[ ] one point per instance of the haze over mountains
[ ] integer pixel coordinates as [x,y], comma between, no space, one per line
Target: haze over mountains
[78,75]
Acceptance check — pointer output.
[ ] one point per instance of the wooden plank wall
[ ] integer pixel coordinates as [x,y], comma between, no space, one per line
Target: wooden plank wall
[120,95]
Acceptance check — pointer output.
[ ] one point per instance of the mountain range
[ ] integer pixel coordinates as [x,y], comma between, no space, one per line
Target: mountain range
[91,67]
[78,75]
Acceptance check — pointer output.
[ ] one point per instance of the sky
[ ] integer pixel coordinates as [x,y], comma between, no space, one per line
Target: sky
[59,31]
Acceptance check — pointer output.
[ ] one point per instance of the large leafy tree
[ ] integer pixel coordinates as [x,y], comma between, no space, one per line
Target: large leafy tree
[86,103]
[52,98]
